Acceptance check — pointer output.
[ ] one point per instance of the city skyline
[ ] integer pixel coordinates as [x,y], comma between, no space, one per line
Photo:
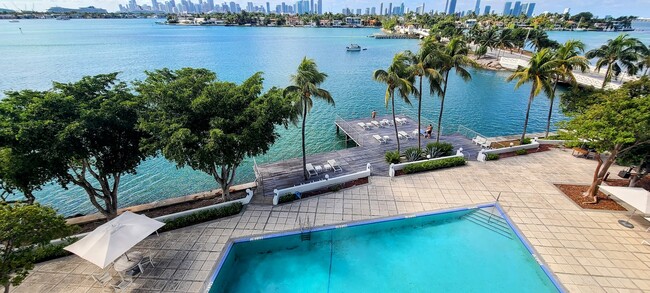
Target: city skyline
[600,8]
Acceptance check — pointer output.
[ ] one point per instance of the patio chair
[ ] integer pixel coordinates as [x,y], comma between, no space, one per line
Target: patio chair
[122,285]
[311,170]
[362,125]
[486,144]
[387,122]
[404,135]
[379,138]
[369,125]
[479,140]
[147,259]
[386,138]
[335,166]
[104,279]
[376,123]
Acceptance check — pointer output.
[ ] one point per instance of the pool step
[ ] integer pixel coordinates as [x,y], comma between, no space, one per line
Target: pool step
[489,220]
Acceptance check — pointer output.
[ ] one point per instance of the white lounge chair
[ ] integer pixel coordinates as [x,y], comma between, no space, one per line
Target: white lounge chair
[335,166]
[376,123]
[404,135]
[379,139]
[311,170]
[386,138]
[362,125]
[386,122]
[486,144]
[104,279]
[369,125]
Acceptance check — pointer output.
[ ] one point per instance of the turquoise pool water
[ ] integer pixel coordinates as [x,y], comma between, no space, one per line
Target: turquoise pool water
[443,252]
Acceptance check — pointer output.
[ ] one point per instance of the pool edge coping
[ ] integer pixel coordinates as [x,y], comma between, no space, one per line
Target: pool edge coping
[207,284]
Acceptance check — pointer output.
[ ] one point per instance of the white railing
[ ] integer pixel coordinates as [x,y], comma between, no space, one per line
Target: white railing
[413,114]
[550,141]
[482,155]
[400,166]
[468,133]
[321,184]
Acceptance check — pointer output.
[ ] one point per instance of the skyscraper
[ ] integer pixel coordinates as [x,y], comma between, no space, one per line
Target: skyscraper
[531,9]
[452,7]
[524,8]
[401,9]
[381,8]
[211,5]
[373,11]
[154,5]
[390,8]
[446,6]
[320,7]
[517,9]
[487,10]
[268,7]
[311,6]
[506,8]
[477,7]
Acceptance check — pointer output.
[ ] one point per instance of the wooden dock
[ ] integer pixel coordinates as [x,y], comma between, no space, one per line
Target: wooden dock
[289,173]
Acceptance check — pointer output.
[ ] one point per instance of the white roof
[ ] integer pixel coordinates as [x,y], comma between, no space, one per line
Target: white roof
[639,198]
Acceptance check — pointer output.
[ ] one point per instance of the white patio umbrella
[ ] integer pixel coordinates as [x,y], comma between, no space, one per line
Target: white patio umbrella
[113,239]
[638,198]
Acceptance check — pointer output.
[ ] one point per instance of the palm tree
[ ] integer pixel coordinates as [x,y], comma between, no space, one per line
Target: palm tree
[306,84]
[422,65]
[451,56]
[567,60]
[645,62]
[504,41]
[620,53]
[397,77]
[541,70]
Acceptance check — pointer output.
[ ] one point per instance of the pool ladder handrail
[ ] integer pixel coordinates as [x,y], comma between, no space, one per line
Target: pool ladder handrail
[305,229]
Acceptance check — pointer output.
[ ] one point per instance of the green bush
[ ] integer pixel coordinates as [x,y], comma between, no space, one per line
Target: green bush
[491,157]
[521,152]
[52,251]
[527,140]
[202,216]
[439,149]
[412,154]
[433,165]
[287,198]
[392,157]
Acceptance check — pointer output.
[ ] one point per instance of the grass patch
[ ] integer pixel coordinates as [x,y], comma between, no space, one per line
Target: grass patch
[434,165]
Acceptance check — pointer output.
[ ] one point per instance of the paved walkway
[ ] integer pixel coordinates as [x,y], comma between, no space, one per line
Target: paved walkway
[588,250]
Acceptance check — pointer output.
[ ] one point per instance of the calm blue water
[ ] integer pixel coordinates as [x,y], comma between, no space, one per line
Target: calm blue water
[33,53]
[437,253]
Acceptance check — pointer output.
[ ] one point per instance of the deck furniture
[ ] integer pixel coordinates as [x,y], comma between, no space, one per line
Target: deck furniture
[362,125]
[486,144]
[400,121]
[376,123]
[369,125]
[122,285]
[386,122]
[379,138]
[335,166]
[104,279]
[386,138]
[580,152]
[479,140]
[311,171]
[318,168]
[404,135]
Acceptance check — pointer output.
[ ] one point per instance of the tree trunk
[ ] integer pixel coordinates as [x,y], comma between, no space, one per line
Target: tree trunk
[442,105]
[609,69]
[600,172]
[30,196]
[107,194]
[635,179]
[392,98]
[7,287]
[530,101]
[304,153]
[419,116]
[550,109]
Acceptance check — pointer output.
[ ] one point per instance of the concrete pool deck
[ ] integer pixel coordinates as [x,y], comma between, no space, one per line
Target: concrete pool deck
[587,250]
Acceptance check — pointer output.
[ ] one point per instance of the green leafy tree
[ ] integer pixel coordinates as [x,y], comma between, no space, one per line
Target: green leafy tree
[306,85]
[22,228]
[453,56]
[541,71]
[396,77]
[567,59]
[621,53]
[211,126]
[614,126]
[423,65]
[87,131]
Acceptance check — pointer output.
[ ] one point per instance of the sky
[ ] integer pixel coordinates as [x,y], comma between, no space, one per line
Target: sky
[597,7]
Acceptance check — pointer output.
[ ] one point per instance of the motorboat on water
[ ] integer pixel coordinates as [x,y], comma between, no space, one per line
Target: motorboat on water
[14,20]
[353,48]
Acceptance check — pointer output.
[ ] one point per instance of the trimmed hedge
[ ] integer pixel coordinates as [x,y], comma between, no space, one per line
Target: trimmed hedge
[521,152]
[433,165]
[289,197]
[52,251]
[202,216]
[491,157]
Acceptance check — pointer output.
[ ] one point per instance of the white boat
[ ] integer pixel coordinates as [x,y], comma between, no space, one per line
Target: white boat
[63,18]
[14,20]
[354,48]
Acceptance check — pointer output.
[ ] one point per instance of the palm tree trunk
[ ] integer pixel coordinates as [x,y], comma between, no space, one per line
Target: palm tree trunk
[304,153]
[530,101]
[392,98]
[609,69]
[442,105]
[419,115]
[550,109]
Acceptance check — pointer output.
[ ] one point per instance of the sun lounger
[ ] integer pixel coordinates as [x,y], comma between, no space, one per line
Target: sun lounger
[369,125]
[386,138]
[486,144]
[387,122]
[335,166]
[376,123]
[311,170]
[379,139]
[401,121]
[479,140]
[404,135]
[362,125]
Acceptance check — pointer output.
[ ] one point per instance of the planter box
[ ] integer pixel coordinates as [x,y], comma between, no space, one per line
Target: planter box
[400,166]
[483,153]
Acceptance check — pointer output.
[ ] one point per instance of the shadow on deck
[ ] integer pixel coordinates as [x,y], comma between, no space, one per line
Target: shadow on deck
[289,173]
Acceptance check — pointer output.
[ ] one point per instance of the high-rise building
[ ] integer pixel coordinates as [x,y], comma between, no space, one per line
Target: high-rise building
[567,10]
[452,7]
[320,7]
[401,9]
[524,8]
[373,11]
[154,5]
[249,6]
[531,9]
[268,8]
[506,8]
[311,6]
[516,10]
[390,9]
[477,7]
[233,7]
[381,8]
[446,6]
[487,10]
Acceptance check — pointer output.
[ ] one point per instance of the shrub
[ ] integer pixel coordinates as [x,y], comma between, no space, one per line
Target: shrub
[439,149]
[491,157]
[287,198]
[521,152]
[392,157]
[335,188]
[527,140]
[52,251]
[412,154]
[433,165]
[202,216]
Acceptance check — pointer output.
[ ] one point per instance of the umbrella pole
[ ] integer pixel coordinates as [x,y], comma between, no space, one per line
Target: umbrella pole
[127,256]
[626,223]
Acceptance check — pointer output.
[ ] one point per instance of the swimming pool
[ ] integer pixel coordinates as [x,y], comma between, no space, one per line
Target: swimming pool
[460,250]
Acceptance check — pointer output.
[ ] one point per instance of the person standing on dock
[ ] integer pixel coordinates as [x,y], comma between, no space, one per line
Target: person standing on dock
[373,114]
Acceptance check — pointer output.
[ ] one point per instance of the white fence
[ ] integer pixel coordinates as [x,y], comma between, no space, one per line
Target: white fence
[321,184]
[482,155]
[550,141]
[396,167]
